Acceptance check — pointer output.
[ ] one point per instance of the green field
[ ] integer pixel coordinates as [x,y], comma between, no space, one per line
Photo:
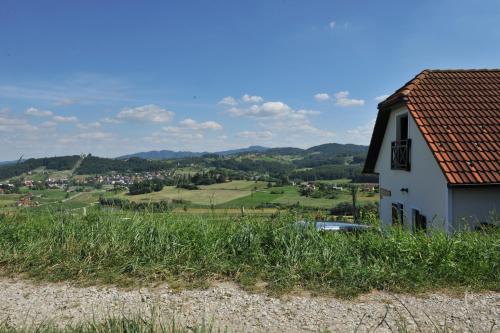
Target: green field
[248,194]
[7,200]
[52,198]
[230,195]
[241,193]
[215,194]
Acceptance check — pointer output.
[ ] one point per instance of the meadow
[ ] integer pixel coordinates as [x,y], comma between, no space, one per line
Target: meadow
[242,193]
[186,250]
[205,196]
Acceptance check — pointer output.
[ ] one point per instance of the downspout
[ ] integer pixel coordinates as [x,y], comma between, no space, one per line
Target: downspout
[449,213]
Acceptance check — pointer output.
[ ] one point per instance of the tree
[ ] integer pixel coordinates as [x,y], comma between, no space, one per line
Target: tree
[354,193]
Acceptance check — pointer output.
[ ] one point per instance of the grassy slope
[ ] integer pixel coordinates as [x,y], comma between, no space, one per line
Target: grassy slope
[291,196]
[240,193]
[8,199]
[216,193]
[190,249]
[233,194]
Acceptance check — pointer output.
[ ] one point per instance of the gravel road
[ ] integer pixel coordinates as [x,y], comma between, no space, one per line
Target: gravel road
[25,303]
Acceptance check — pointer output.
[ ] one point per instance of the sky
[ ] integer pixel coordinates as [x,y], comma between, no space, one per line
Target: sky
[117,77]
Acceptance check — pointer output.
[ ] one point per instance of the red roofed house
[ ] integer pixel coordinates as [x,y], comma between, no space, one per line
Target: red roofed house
[435,147]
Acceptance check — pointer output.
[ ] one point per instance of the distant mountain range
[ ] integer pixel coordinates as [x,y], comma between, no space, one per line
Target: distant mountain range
[170,154]
[10,162]
[328,148]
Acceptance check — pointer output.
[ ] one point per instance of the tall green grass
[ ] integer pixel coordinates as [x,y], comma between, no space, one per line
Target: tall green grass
[135,324]
[112,247]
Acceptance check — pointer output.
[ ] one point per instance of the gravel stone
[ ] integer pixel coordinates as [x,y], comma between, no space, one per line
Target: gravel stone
[26,304]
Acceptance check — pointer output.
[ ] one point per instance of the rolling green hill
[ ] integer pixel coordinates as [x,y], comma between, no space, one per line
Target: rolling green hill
[327,161]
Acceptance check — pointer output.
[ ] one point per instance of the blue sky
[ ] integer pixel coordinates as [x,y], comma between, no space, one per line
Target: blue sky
[115,77]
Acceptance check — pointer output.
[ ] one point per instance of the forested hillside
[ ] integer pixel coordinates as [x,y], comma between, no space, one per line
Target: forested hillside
[53,163]
[99,165]
[328,161]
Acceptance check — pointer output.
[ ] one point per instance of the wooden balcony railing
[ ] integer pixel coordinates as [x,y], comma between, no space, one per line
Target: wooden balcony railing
[400,155]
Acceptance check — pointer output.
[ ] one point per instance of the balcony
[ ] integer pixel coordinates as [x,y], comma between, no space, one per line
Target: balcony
[400,154]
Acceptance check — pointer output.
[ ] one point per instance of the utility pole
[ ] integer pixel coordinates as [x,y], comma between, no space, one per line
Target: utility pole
[354,193]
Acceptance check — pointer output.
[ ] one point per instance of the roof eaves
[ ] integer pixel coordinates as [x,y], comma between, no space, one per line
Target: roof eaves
[379,129]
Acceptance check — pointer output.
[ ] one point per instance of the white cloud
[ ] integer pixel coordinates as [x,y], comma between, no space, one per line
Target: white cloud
[228,100]
[8,124]
[175,134]
[266,110]
[85,88]
[85,138]
[188,132]
[66,120]
[342,99]
[381,98]
[331,24]
[360,134]
[194,125]
[297,129]
[281,121]
[321,97]
[109,120]
[89,125]
[264,135]
[151,112]
[66,102]
[48,124]
[271,110]
[251,99]
[31,140]
[235,112]
[308,112]
[38,113]
[95,135]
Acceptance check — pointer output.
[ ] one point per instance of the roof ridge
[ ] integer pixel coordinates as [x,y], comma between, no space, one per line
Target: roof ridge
[462,70]
[405,89]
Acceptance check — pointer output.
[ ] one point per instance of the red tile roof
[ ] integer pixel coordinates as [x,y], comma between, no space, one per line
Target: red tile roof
[458,113]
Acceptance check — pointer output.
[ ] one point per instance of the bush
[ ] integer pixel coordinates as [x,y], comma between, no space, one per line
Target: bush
[146,186]
[161,206]
[189,186]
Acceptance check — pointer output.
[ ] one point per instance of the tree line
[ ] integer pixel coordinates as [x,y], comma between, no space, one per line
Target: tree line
[52,163]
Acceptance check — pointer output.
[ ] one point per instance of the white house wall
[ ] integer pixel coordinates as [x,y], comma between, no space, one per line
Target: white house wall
[472,205]
[427,187]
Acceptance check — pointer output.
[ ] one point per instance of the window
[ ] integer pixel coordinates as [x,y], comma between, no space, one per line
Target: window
[400,149]
[419,221]
[402,127]
[397,214]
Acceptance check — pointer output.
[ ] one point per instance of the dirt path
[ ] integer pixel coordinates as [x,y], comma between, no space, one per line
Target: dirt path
[26,303]
[73,197]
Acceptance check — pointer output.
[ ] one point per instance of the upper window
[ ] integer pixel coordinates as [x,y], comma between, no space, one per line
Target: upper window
[402,127]
[400,149]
